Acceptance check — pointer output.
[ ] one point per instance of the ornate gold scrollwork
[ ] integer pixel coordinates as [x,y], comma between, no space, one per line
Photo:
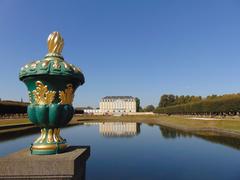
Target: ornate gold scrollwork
[33,66]
[56,65]
[45,64]
[42,137]
[50,136]
[42,95]
[56,135]
[38,139]
[67,95]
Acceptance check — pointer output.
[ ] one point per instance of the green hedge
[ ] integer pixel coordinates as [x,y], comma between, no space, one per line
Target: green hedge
[224,104]
[13,107]
[78,110]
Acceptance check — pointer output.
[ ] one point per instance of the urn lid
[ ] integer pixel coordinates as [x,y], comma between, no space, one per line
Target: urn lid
[53,63]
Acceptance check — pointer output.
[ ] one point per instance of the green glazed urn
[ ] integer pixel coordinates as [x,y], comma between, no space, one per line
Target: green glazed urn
[51,83]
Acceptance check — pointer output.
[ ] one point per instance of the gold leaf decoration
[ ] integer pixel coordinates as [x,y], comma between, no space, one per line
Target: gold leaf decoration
[45,64]
[56,135]
[42,95]
[50,136]
[42,137]
[67,95]
[56,65]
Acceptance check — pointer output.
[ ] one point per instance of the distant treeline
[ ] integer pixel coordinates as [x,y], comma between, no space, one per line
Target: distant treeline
[170,100]
[228,104]
[16,107]
[79,110]
[13,107]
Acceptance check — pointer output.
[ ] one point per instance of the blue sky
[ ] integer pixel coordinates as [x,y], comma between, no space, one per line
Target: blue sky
[143,48]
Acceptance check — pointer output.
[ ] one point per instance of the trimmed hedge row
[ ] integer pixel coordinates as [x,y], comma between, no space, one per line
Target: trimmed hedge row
[78,111]
[12,107]
[228,105]
[15,107]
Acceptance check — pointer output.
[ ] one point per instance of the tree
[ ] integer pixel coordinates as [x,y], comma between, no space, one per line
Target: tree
[195,98]
[149,108]
[167,100]
[171,100]
[138,107]
[213,96]
[187,99]
[181,99]
[225,104]
[163,101]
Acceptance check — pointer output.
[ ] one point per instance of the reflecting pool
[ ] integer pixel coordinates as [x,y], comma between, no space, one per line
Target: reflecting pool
[141,151]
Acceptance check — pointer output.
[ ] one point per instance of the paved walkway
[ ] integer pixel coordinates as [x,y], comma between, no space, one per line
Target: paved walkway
[205,119]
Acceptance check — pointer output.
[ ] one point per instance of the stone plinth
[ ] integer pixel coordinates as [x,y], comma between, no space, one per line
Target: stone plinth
[68,165]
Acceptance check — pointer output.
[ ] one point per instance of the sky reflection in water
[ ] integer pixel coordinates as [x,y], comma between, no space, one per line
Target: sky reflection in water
[140,151]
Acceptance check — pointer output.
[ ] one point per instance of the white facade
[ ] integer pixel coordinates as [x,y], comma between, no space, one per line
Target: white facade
[118,104]
[91,111]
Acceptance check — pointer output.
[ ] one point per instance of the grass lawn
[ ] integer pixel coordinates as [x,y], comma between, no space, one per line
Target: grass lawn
[180,122]
[11,122]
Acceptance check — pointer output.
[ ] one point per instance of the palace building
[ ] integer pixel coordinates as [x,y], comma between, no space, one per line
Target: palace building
[118,104]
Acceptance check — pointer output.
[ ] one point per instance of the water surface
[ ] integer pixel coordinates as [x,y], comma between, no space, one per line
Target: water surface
[141,151]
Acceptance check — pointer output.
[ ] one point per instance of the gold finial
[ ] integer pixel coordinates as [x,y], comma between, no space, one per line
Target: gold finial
[55,43]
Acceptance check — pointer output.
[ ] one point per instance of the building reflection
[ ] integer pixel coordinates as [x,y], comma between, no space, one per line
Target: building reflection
[118,129]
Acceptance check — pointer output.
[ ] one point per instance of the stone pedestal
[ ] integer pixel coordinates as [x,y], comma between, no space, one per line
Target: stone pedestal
[68,165]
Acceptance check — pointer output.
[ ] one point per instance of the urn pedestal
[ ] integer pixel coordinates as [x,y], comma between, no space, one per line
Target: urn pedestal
[70,165]
[51,84]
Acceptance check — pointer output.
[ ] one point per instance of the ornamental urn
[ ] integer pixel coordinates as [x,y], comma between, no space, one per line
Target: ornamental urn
[51,83]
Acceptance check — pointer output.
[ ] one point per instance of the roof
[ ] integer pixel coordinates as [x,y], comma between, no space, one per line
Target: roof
[118,97]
